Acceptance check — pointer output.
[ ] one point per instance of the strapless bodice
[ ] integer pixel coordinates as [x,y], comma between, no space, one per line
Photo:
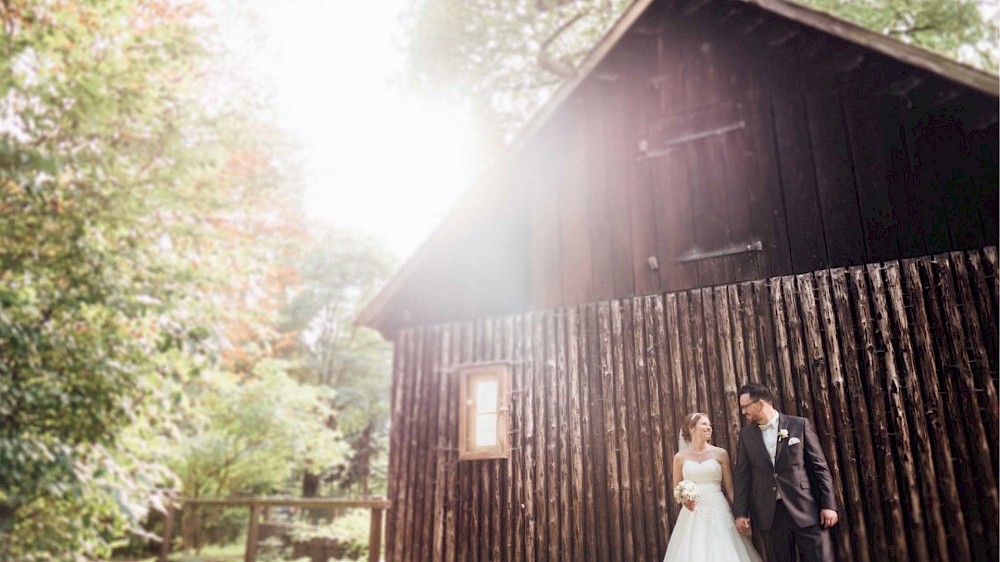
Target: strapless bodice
[706,474]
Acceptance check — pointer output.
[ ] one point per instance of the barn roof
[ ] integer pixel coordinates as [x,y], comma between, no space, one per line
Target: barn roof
[377,313]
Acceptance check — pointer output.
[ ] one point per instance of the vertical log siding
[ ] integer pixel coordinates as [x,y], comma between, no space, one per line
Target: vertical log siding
[895,364]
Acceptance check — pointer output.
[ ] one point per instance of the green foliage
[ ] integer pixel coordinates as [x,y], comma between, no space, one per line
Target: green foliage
[248,435]
[506,58]
[965,30]
[338,276]
[146,229]
[349,532]
[87,92]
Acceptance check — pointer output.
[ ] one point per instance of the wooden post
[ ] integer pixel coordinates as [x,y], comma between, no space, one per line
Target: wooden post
[375,535]
[252,532]
[168,529]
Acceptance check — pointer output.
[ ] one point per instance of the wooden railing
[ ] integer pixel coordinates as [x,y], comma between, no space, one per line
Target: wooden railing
[258,506]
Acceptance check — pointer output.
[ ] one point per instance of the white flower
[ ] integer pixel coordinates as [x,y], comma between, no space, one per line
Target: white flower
[782,435]
[686,491]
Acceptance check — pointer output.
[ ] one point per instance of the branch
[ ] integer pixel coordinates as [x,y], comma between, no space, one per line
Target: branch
[560,67]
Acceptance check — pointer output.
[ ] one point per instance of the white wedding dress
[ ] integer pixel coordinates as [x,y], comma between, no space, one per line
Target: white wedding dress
[708,534]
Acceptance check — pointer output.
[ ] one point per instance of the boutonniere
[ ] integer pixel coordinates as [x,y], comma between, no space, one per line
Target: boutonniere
[782,435]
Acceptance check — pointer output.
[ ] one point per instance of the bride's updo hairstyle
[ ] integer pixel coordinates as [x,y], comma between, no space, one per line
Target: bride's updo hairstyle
[690,421]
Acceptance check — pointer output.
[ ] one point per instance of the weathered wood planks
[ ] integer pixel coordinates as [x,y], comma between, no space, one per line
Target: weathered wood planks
[890,361]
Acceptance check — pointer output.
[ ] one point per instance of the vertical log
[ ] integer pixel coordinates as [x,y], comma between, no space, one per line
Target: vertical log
[452,501]
[393,488]
[598,474]
[501,484]
[983,277]
[552,439]
[746,324]
[976,345]
[575,411]
[610,433]
[375,535]
[966,484]
[904,447]
[727,333]
[698,350]
[427,482]
[445,400]
[786,388]
[624,443]
[843,413]
[713,370]
[967,384]
[541,494]
[637,397]
[914,402]
[399,545]
[483,490]
[933,414]
[860,415]
[561,394]
[253,533]
[653,314]
[679,406]
[871,377]
[518,394]
[407,482]
[768,344]
[738,350]
[819,367]
[800,369]
[684,324]
[532,351]
[168,531]
[466,535]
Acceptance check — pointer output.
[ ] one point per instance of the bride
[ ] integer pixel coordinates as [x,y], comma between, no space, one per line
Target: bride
[704,530]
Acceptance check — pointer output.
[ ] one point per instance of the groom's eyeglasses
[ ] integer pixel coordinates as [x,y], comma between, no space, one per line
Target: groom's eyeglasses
[743,407]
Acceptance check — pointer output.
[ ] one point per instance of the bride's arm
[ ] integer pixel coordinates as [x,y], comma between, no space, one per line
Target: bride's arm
[677,473]
[727,476]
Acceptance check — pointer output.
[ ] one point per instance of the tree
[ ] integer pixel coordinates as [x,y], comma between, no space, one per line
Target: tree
[122,194]
[965,30]
[506,58]
[248,436]
[341,274]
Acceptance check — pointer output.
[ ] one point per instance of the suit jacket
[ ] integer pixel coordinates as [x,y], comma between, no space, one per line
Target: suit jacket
[799,473]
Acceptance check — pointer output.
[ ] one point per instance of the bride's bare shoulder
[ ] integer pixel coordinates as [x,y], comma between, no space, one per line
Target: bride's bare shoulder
[720,451]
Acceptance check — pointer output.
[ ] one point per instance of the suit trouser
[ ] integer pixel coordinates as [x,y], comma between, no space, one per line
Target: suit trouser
[814,543]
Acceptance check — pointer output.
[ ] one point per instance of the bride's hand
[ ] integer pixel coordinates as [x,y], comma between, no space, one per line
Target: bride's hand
[691,505]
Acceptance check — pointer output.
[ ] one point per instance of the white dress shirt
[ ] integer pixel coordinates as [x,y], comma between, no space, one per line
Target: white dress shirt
[770,433]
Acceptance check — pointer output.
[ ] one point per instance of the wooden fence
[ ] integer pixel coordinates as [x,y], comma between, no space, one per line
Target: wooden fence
[895,364]
[258,508]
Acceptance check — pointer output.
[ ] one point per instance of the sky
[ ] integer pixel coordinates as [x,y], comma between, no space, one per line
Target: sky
[375,157]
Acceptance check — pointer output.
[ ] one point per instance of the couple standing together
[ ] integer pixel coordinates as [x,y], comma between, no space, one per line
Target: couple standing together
[781,484]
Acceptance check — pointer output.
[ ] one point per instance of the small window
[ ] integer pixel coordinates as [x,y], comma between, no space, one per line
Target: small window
[484,411]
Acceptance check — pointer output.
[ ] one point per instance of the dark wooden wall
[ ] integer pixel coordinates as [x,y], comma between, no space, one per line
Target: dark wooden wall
[754,129]
[895,364]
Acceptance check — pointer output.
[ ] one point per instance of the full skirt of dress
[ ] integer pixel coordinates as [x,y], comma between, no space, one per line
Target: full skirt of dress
[708,534]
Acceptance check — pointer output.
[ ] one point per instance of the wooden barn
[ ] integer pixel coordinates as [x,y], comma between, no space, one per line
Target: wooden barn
[729,191]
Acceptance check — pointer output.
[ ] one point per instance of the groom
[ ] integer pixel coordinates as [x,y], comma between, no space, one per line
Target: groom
[782,482]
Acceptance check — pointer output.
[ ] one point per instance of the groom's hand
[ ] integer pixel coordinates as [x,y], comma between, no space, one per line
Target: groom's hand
[828,517]
[743,525]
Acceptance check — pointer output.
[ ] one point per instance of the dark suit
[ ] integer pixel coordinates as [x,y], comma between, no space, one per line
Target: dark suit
[800,475]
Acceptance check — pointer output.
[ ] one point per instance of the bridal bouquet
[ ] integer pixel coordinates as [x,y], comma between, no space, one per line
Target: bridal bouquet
[686,491]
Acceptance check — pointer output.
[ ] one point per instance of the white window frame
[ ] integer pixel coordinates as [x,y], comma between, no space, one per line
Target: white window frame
[469,377]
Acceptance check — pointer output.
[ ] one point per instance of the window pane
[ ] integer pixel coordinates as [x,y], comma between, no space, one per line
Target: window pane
[486,396]
[486,430]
